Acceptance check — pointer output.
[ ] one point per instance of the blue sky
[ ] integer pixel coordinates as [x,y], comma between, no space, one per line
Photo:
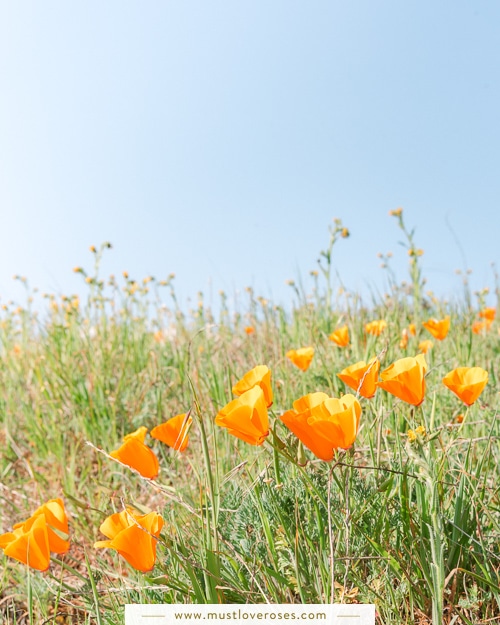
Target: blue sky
[218,140]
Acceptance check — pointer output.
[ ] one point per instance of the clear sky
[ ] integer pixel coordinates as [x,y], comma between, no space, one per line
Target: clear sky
[218,140]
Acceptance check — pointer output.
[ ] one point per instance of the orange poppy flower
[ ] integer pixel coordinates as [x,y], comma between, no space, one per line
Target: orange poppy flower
[362,377]
[481,327]
[467,383]
[28,543]
[340,336]
[412,329]
[56,518]
[425,346]
[296,420]
[337,420]
[174,432]
[302,357]
[488,313]
[246,417]
[405,379]
[403,343]
[258,376]
[159,337]
[134,536]
[249,329]
[438,327]
[135,454]
[376,327]
[323,423]
[32,540]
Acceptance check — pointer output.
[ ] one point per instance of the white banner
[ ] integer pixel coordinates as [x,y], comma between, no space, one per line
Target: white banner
[241,614]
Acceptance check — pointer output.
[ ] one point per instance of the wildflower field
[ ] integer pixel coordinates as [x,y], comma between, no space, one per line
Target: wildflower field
[335,451]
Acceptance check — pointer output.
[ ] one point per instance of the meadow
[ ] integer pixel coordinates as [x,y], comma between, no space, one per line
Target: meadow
[265,492]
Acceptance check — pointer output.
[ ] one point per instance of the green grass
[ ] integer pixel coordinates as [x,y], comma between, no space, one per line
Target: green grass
[413,527]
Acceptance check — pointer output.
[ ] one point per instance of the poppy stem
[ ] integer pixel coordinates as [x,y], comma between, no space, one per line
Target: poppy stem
[330,537]
[30,596]
[276,461]
[464,420]
[213,560]
[347,475]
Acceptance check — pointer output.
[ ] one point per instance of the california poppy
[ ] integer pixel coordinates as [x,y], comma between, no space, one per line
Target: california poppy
[32,540]
[134,536]
[405,379]
[337,420]
[425,346]
[362,377]
[297,421]
[438,327]
[139,434]
[376,327]
[340,336]
[159,337]
[488,313]
[246,417]
[174,432]
[480,327]
[249,329]
[302,357]
[28,543]
[135,454]
[324,424]
[403,343]
[258,376]
[56,518]
[466,382]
